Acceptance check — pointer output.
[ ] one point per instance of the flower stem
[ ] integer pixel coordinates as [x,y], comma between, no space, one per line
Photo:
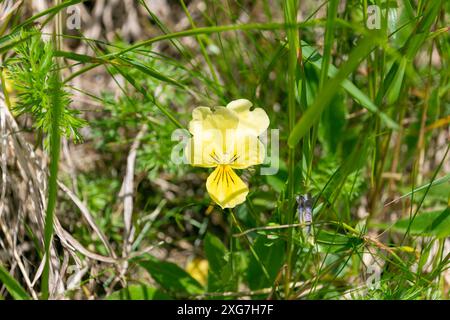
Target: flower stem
[255,255]
[55,142]
[290,13]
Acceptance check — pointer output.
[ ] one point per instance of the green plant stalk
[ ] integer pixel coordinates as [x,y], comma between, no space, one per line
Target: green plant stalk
[55,141]
[252,250]
[327,93]
[205,31]
[375,69]
[413,216]
[329,38]
[326,60]
[290,13]
[178,45]
[55,144]
[200,42]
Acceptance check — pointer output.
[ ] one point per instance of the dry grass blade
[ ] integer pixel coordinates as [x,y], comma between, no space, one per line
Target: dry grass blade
[127,190]
[87,215]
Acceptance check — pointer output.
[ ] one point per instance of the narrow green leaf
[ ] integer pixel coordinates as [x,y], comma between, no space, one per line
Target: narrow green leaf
[333,242]
[435,223]
[329,38]
[163,109]
[423,187]
[328,91]
[50,11]
[215,253]
[138,292]
[170,276]
[84,58]
[394,90]
[152,72]
[13,287]
[120,61]
[220,271]
[207,30]
[271,253]
[409,50]
[347,85]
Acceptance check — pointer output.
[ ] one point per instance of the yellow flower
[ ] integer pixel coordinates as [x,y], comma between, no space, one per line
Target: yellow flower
[9,87]
[227,138]
[198,269]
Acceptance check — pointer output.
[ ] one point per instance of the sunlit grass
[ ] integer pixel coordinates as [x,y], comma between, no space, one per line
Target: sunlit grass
[363,117]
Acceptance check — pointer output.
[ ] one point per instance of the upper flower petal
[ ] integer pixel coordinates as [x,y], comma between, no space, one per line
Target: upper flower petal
[226,188]
[203,118]
[253,122]
[227,135]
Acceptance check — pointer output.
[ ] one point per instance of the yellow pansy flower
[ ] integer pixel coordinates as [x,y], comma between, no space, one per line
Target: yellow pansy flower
[227,138]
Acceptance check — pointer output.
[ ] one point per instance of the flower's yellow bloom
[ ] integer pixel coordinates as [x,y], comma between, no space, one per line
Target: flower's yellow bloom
[9,87]
[227,138]
[198,269]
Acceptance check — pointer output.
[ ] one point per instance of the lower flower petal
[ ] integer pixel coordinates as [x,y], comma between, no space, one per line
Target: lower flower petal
[225,187]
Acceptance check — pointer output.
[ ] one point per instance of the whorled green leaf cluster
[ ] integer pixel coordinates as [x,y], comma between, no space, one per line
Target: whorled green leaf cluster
[29,71]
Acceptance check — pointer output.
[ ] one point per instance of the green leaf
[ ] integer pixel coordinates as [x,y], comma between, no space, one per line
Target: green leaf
[50,11]
[435,223]
[205,31]
[333,242]
[220,275]
[215,253]
[13,287]
[271,253]
[152,72]
[139,88]
[430,185]
[329,90]
[333,124]
[394,90]
[138,292]
[309,52]
[394,78]
[78,57]
[170,276]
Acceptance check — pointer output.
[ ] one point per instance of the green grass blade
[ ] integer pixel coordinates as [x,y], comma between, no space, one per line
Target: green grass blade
[436,223]
[330,88]
[329,37]
[12,286]
[206,31]
[162,108]
[347,85]
[432,184]
[50,11]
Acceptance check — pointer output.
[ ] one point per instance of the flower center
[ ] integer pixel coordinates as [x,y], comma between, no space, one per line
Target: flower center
[224,158]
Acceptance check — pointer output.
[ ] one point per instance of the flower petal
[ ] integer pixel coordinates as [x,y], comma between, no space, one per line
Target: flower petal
[201,153]
[247,151]
[199,114]
[253,122]
[203,118]
[226,188]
